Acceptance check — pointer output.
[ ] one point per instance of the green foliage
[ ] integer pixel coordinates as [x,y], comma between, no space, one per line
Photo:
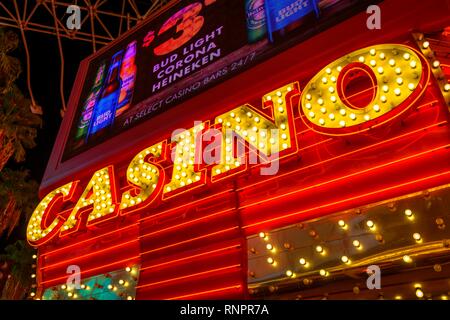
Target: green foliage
[9,66]
[18,131]
[17,123]
[21,256]
[24,190]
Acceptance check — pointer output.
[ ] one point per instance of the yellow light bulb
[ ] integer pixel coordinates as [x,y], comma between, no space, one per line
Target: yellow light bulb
[417,236]
[447,87]
[419,293]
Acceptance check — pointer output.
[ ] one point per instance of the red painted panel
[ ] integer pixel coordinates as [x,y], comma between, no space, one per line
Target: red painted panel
[193,246]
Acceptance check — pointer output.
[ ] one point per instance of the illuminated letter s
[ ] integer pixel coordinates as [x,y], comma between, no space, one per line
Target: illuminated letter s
[145,178]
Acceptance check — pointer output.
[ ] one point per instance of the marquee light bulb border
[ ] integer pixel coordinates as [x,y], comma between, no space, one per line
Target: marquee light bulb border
[271,137]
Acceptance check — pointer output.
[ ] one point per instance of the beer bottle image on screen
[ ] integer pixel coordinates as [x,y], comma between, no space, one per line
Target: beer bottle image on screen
[105,110]
[128,76]
[88,107]
[256,20]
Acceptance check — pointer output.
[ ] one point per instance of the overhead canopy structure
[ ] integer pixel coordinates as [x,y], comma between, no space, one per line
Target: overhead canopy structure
[101,21]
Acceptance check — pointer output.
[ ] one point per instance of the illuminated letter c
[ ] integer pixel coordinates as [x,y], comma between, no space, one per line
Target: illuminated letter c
[39,230]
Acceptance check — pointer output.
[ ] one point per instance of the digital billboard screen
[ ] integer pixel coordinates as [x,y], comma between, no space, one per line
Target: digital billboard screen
[186,49]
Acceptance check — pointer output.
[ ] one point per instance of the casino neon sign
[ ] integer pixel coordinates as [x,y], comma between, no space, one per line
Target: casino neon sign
[397,76]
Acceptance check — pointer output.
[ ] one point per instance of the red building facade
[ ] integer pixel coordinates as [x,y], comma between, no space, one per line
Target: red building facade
[346,194]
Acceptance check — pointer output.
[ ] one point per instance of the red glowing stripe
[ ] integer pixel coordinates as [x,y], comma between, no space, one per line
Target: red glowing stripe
[304,131]
[347,176]
[316,144]
[188,222]
[341,156]
[54,265]
[87,240]
[347,199]
[331,139]
[190,257]
[198,274]
[133,225]
[427,104]
[185,205]
[235,287]
[93,269]
[190,240]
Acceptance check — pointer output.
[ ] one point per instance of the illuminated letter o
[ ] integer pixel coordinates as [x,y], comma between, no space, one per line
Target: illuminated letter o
[333,103]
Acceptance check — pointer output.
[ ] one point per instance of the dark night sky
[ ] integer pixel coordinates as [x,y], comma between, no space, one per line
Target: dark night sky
[45,79]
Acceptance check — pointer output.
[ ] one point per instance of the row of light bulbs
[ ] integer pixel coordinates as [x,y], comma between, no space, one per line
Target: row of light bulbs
[73,295]
[33,276]
[436,63]
[344,259]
